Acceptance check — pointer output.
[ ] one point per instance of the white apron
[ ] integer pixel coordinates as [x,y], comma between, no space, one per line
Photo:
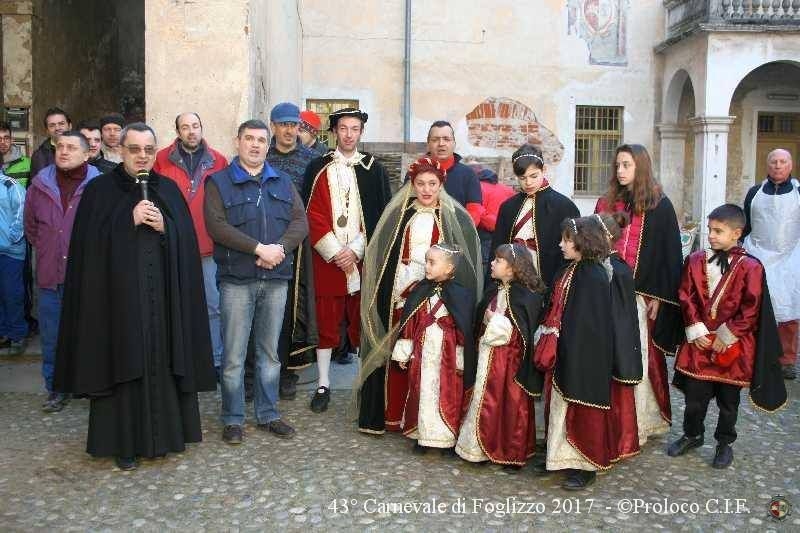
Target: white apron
[775,241]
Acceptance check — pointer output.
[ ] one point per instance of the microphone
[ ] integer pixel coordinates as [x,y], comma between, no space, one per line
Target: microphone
[142,176]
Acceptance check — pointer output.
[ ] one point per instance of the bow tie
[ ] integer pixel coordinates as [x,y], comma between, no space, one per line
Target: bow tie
[722,259]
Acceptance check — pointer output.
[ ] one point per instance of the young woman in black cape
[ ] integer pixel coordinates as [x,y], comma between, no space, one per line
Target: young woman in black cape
[651,245]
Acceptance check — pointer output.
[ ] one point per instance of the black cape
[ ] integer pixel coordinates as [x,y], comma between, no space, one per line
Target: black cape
[460,303]
[526,308]
[625,319]
[552,208]
[100,341]
[373,186]
[658,273]
[767,387]
[300,322]
[584,360]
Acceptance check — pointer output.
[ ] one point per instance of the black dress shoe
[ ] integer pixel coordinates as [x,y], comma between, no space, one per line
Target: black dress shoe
[724,456]
[578,479]
[683,445]
[126,463]
[233,434]
[319,402]
[279,428]
[512,469]
[447,452]
[419,449]
[789,372]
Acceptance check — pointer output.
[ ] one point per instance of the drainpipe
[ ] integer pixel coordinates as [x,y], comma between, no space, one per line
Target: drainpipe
[407,76]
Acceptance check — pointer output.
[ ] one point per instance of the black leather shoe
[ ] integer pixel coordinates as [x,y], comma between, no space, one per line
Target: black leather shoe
[512,469]
[419,449]
[447,452]
[279,428]
[683,445]
[724,456]
[126,463]
[287,388]
[578,479]
[319,402]
[233,434]
[789,372]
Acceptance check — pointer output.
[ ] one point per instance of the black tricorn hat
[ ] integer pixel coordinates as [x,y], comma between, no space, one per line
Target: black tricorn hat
[346,112]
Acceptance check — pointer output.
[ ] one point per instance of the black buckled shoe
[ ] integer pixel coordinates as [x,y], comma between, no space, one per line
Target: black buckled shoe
[233,434]
[578,479]
[126,463]
[279,428]
[322,397]
[723,457]
[684,444]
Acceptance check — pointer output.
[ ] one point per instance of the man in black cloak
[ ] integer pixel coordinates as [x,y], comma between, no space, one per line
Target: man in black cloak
[134,332]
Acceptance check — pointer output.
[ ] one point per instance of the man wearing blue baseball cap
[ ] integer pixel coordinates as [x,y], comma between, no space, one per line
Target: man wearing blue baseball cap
[289,156]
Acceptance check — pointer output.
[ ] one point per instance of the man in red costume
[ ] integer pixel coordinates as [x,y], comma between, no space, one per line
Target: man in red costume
[346,191]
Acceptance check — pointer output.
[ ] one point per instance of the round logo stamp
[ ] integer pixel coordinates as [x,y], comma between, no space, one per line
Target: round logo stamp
[779,508]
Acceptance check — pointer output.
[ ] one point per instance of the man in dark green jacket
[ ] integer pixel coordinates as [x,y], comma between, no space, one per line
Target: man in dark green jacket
[12,162]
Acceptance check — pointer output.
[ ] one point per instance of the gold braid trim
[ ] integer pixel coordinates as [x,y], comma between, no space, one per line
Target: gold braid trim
[781,406]
[531,394]
[721,292]
[626,381]
[663,350]
[718,379]
[660,299]
[639,246]
[573,400]
[370,325]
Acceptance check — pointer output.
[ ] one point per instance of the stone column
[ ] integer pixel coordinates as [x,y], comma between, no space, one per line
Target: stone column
[710,165]
[671,171]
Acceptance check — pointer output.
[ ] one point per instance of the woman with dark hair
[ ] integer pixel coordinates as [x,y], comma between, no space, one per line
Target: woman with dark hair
[499,422]
[419,215]
[532,216]
[651,245]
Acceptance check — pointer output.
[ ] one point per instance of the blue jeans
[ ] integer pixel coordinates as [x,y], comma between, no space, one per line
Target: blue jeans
[49,314]
[258,305]
[12,299]
[212,303]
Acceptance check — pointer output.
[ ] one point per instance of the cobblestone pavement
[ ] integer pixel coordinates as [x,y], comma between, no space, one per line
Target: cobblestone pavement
[48,482]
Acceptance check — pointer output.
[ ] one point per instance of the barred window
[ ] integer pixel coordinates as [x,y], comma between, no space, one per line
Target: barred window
[598,132]
[324,108]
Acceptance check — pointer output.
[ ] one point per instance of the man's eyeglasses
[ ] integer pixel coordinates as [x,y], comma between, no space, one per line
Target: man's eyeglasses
[437,140]
[134,149]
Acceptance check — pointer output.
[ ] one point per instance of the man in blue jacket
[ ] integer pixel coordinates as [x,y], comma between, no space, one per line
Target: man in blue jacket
[256,219]
[13,327]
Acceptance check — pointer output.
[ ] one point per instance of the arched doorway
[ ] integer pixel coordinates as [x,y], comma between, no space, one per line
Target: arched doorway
[766,103]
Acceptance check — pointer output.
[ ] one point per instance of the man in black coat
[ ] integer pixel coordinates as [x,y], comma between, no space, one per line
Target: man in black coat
[134,334]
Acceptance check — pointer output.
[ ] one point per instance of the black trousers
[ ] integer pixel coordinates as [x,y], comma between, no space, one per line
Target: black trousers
[698,394]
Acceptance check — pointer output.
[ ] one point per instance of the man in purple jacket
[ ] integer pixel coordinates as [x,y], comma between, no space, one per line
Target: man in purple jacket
[50,207]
